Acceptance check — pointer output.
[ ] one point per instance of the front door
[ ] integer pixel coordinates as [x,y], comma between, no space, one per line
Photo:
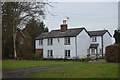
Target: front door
[92,51]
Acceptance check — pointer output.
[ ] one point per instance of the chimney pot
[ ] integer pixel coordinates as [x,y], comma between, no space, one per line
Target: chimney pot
[63,26]
[64,22]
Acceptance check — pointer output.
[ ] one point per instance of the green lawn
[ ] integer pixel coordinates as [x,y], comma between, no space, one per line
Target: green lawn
[81,70]
[21,64]
[72,69]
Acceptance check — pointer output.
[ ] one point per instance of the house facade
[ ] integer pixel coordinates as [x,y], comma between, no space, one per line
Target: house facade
[99,40]
[23,37]
[39,44]
[68,43]
[24,44]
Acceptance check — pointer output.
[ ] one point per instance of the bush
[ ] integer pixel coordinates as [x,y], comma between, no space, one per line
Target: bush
[112,53]
[25,52]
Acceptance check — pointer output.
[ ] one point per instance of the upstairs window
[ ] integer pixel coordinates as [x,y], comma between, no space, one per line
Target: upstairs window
[67,53]
[94,39]
[40,42]
[50,54]
[58,40]
[67,41]
[50,41]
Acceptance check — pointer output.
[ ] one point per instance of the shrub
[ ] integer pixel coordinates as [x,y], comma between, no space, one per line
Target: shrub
[25,52]
[112,53]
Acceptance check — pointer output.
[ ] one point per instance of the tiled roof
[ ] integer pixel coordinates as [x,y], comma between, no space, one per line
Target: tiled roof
[98,33]
[24,33]
[42,36]
[68,33]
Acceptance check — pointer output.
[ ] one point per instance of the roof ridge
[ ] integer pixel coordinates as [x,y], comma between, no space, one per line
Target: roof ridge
[97,30]
[70,29]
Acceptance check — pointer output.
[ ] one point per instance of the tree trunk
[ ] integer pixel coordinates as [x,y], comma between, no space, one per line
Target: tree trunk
[14,44]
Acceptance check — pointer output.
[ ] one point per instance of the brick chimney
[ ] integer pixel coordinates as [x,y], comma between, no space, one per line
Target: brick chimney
[63,26]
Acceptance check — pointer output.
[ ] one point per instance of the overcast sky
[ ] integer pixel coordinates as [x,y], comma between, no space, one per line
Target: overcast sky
[91,15]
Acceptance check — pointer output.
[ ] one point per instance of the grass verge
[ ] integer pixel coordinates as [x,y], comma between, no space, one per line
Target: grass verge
[22,64]
[81,70]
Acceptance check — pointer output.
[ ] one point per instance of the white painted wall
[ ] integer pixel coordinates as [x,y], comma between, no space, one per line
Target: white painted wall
[83,44]
[99,41]
[59,48]
[37,46]
[107,40]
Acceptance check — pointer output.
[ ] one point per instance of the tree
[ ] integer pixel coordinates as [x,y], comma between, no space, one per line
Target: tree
[35,28]
[18,14]
[117,36]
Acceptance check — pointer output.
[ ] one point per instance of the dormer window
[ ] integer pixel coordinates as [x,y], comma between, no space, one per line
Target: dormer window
[94,39]
[50,41]
[67,41]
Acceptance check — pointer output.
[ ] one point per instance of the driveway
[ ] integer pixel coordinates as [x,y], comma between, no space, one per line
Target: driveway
[21,73]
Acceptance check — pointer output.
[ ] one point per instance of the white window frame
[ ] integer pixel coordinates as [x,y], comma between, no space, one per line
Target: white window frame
[94,39]
[50,54]
[92,51]
[50,41]
[67,53]
[67,41]
[40,42]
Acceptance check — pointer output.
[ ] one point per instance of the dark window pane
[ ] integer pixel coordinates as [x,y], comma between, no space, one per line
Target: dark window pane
[68,54]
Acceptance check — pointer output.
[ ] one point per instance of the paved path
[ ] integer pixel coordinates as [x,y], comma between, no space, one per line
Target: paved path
[21,73]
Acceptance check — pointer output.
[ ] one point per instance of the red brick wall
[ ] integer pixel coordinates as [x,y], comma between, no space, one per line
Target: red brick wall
[39,52]
[63,27]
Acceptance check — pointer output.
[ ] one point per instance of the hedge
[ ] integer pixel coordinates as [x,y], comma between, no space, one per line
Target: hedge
[112,53]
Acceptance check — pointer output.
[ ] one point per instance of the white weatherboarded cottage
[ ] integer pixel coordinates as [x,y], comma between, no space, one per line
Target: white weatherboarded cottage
[99,40]
[71,43]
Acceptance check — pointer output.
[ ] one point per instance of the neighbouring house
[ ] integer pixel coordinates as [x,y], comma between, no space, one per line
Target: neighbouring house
[24,44]
[39,44]
[23,37]
[99,40]
[71,43]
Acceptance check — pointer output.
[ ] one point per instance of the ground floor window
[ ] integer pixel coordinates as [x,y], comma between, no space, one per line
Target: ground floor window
[93,51]
[50,54]
[67,53]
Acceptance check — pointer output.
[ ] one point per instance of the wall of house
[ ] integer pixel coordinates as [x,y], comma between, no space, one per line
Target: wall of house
[99,41]
[106,41]
[83,44]
[39,52]
[20,38]
[30,41]
[59,48]
[37,46]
